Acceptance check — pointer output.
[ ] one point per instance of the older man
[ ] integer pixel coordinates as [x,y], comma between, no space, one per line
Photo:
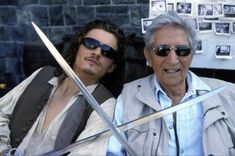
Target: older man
[206,128]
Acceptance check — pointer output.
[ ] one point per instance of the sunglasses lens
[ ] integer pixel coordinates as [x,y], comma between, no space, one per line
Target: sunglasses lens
[90,43]
[182,51]
[162,50]
[106,50]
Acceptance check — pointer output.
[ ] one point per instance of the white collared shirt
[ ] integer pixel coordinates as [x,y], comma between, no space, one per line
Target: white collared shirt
[39,140]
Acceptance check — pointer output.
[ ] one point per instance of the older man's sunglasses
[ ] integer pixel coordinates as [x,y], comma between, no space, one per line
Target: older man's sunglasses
[164,50]
[106,50]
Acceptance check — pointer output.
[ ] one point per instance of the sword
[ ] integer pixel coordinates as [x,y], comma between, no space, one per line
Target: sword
[91,100]
[139,121]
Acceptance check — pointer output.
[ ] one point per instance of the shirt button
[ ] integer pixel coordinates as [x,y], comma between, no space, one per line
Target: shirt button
[17,140]
[182,151]
[45,99]
[31,118]
[223,113]
[39,107]
[24,129]
[171,127]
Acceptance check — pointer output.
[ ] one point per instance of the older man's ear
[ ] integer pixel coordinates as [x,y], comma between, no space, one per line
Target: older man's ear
[148,57]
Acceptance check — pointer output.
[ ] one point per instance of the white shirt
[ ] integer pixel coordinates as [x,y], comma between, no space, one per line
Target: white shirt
[38,140]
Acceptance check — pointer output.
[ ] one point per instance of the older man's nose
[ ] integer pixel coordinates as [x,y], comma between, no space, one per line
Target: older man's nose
[172,57]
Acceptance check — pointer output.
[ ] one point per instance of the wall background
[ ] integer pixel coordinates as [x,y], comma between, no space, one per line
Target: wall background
[56,18]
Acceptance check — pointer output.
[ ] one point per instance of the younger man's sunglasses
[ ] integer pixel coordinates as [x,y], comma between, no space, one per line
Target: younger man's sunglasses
[106,50]
[164,50]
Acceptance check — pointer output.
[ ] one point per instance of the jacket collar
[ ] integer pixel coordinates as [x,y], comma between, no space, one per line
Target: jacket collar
[145,93]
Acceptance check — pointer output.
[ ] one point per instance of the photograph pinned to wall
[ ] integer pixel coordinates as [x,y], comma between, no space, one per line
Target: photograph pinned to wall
[157,7]
[223,52]
[205,10]
[218,10]
[184,8]
[170,7]
[145,22]
[199,47]
[222,28]
[193,22]
[205,27]
[233,27]
[229,10]
[211,19]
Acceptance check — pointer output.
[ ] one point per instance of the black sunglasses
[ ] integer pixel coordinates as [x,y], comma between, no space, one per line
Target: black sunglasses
[106,50]
[164,50]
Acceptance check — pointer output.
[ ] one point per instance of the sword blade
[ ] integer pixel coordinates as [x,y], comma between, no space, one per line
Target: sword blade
[140,121]
[93,103]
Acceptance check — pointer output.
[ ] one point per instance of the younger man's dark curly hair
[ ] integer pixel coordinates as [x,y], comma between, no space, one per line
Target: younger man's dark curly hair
[112,81]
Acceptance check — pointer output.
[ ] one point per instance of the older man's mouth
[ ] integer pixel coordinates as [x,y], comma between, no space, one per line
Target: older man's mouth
[172,70]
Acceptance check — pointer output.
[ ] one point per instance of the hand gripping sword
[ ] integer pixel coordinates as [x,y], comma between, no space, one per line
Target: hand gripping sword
[91,100]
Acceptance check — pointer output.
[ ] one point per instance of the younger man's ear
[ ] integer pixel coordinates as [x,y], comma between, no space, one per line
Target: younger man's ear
[112,68]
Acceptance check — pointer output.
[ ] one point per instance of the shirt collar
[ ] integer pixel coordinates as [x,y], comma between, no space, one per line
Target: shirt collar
[158,89]
[55,80]
[195,85]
